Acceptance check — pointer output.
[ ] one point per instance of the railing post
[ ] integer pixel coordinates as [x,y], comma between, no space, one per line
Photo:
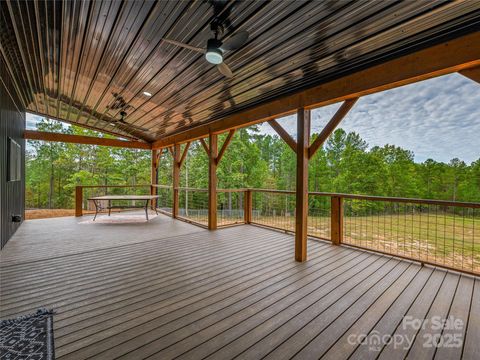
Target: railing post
[247,206]
[212,182]
[336,216]
[176,179]
[78,200]
[154,177]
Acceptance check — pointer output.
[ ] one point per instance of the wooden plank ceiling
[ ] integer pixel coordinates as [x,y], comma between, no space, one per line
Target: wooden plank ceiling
[85,61]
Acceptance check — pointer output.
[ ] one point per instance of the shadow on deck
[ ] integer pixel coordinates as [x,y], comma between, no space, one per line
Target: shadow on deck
[167,289]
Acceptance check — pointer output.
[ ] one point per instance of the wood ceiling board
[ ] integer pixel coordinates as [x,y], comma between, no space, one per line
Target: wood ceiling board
[183,75]
[162,57]
[275,72]
[294,77]
[143,52]
[301,81]
[67,58]
[452,56]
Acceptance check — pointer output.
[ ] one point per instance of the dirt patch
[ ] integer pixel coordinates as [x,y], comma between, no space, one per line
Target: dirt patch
[31,214]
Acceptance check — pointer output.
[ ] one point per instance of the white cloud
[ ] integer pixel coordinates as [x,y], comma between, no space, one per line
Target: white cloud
[437,118]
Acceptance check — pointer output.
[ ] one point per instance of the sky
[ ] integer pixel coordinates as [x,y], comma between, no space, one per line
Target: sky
[437,118]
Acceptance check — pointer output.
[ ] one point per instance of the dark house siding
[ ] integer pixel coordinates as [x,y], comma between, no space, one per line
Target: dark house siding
[12,125]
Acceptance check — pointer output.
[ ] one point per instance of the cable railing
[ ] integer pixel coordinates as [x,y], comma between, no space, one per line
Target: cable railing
[274,208]
[436,232]
[230,206]
[430,231]
[164,203]
[193,205]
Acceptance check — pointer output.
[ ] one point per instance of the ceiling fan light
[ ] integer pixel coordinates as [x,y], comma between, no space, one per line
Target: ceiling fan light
[214,56]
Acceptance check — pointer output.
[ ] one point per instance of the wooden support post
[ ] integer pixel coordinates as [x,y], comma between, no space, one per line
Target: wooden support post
[154,176]
[336,216]
[78,201]
[301,210]
[247,206]
[176,179]
[212,181]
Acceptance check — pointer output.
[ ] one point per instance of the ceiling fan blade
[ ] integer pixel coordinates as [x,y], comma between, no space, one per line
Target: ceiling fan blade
[225,70]
[236,41]
[132,125]
[186,46]
[138,127]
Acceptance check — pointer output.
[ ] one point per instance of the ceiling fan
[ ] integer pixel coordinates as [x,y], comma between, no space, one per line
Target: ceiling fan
[122,121]
[119,103]
[216,48]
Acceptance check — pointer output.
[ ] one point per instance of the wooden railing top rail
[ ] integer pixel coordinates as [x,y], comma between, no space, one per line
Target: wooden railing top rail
[232,190]
[379,198]
[274,191]
[192,189]
[314,193]
[113,186]
[401,200]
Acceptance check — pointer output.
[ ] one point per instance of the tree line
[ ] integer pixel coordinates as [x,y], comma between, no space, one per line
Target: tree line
[345,164]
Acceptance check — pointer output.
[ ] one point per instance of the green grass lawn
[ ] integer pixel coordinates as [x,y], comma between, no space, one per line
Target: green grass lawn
[443,239]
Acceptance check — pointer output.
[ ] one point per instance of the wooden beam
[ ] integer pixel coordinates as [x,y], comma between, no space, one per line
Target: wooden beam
[184,154]
[225,145]
[205,146]
[283,134]
[331,125]
[301,208]
[80,139]
[176,179]
[212,182]
[451,56]
[472,74]
[85,126]
[172,151]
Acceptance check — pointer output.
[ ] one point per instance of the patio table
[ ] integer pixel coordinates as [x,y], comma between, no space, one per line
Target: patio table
[99,207]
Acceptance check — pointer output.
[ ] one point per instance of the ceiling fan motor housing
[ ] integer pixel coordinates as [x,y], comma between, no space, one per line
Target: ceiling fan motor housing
[214,54]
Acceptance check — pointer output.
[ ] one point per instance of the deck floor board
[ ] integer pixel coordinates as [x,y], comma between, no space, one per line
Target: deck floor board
[166,289]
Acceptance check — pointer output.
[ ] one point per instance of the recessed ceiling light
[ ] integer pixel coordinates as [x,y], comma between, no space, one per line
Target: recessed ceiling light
[146,93]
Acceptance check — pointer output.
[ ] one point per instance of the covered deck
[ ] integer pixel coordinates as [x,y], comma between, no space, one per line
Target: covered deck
[166,289]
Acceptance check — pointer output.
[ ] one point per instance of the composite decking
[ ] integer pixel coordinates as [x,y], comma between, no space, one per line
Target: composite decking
[166,289]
